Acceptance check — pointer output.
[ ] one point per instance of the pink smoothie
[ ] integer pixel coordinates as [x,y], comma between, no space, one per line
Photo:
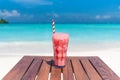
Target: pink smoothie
[60,45]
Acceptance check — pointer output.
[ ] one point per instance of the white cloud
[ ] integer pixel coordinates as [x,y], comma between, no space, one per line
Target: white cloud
[97,16]
[34,2]
[119,7]
[28,16]
[102,17]
[106,16]
[6,13]
[55,15]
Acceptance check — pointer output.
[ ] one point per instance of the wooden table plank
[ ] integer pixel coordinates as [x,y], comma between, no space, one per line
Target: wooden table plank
[55,73]
[33,70]
[93,75]
[84,68]
[105,72]
[78,70]
[67,71]
[44,70]
[19,69]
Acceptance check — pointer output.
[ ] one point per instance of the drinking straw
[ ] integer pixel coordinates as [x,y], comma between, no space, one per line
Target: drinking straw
[53,26]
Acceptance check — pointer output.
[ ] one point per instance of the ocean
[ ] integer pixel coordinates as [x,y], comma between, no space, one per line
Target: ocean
[37,38]
[43,32]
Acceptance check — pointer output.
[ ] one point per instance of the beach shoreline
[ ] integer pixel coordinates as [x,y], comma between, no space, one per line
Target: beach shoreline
[37,47]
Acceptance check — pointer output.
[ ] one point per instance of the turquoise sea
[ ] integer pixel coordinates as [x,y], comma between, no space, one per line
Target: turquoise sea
[43,32]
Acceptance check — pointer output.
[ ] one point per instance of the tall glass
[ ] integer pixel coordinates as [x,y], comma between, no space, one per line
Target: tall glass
[60,45]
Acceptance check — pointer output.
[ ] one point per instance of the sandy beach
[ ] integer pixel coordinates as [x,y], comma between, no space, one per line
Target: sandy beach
[11,53]
[27,28]
[36,47]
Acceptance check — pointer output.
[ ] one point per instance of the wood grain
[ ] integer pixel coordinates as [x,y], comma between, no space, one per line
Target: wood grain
[19,69]
[33,69]
[55,73]
[67,71]
[39,67]
[91,72]
[105,72]
[44,70]
[78,70]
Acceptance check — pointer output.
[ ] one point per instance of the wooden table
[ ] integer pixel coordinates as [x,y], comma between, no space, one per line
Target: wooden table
[77,68]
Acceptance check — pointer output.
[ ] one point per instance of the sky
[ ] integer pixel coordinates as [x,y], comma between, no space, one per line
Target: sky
[62,11]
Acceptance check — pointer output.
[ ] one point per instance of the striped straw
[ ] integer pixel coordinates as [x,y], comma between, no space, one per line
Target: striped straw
[53,26]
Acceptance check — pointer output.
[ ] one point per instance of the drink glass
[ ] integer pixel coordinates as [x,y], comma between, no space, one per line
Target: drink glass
[60,45]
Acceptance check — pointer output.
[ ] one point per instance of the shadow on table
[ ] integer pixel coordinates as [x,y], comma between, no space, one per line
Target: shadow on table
[52,63]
